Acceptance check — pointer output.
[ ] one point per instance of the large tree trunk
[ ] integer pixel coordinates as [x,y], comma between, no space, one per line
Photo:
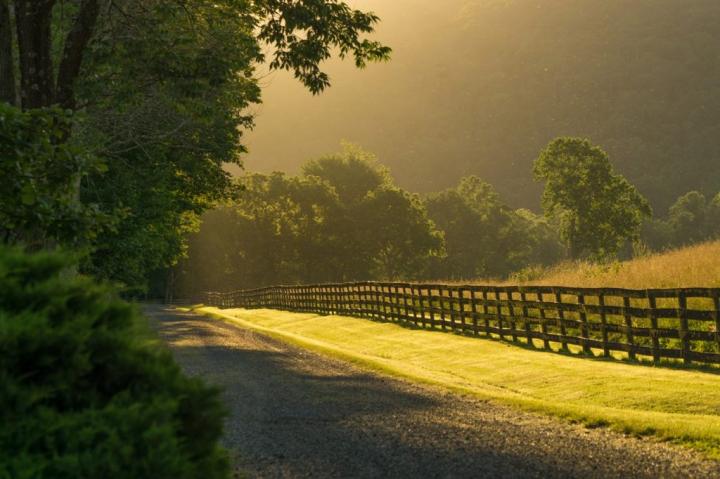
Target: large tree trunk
[7,67]
[75,45]
[37,78]
[33,20]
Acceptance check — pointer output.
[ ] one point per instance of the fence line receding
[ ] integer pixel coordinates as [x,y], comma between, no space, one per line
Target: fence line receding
[680,324]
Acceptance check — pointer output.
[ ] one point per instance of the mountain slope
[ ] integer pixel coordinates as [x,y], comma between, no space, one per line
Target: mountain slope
[479,87]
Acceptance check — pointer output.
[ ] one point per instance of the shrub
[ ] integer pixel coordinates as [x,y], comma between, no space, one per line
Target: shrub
[84,392]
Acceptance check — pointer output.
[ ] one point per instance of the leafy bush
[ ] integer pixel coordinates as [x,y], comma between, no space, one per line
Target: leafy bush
[85,392]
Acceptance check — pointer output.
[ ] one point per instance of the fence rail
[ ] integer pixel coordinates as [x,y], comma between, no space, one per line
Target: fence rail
[680,324]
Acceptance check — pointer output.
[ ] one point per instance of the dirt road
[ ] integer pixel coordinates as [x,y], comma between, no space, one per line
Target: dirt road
[297,414]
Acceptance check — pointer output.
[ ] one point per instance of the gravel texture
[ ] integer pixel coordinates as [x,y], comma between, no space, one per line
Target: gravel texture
[294,413]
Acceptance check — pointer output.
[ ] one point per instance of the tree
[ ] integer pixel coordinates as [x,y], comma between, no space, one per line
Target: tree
[164,124]
[379,225]
[403,239]
[537,242]
[354,175]
[483,236]
[474,222]
[342,220]
[597,209]
[275,232]
[302,33]
[689,218]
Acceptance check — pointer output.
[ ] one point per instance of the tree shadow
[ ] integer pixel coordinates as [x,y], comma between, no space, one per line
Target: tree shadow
[579,355]
[297,414]
[294,413]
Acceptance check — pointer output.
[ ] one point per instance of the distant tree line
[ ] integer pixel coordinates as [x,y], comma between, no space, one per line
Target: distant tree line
[693,218]
[639,77]
[344,219]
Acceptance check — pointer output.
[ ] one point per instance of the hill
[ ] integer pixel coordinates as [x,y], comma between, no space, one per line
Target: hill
[693,266]
[480,86]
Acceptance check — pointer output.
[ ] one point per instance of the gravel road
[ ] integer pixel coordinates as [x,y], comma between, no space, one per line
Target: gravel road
[295,414]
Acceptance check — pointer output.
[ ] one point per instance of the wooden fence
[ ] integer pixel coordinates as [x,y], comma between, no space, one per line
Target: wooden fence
[679,324]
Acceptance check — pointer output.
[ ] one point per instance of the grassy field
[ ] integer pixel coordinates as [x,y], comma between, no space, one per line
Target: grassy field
[682,406]
[694,266]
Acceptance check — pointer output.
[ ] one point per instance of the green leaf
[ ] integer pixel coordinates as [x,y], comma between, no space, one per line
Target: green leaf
[28,196]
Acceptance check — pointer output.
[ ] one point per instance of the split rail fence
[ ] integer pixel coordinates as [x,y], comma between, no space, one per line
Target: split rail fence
[675,324]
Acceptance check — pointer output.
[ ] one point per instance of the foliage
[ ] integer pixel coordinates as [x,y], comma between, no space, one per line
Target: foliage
[484,237]
[343,219]
[402,238]
[597,209]
[164,87]
[304,32]
[84,393]
[168,123]
[691,219]
[352,173]
[39,172]
[542,244]
[380,230]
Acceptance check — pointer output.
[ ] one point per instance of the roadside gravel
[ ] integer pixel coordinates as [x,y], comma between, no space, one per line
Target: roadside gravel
[296,414]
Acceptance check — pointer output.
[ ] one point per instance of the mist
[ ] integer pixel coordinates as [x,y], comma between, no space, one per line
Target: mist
[479,87]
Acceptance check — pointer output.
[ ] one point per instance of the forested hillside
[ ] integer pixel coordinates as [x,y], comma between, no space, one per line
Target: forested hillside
[480,86]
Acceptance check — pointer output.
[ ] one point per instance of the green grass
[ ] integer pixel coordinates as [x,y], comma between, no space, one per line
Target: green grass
[678,405]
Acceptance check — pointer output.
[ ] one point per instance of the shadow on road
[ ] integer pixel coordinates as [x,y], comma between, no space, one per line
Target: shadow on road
[296,414]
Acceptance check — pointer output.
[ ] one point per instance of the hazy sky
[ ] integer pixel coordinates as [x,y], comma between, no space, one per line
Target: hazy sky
[293,125]
[481,86]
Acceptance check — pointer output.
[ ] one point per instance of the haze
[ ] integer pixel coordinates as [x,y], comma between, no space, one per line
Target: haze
[480,86]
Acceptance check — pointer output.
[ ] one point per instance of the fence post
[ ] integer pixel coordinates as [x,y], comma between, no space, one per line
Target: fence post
[561,319]
[421,306]
[684,334]
[511,313]
[474,311]
[498,313]
[376,293]
[486,312]
[406,305]
[432,308]
[716,314]
[441,298]
[652,312]
[603,320]
[461,308]
[526,319]
[584,324]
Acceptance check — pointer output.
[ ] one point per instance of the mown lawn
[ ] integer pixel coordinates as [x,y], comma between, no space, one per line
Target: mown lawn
[678,405]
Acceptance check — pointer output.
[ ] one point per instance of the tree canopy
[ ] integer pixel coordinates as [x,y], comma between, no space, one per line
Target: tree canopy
[597,209]
[321,226]
[484,237]
[161,91]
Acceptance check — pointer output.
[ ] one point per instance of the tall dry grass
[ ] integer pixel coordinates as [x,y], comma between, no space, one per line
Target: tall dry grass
[693,266]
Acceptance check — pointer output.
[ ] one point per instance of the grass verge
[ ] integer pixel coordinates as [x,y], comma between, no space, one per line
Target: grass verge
[681,406]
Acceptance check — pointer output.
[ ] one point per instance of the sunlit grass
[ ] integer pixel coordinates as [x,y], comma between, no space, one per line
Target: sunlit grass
[679,405]
[694,266]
